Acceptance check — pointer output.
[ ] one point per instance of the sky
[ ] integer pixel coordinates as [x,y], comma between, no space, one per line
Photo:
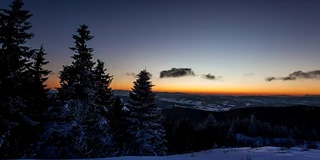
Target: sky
[264,47]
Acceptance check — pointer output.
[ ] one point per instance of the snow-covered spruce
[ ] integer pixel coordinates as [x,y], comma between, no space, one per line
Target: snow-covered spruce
[18,110]
[80,125]
[144,119]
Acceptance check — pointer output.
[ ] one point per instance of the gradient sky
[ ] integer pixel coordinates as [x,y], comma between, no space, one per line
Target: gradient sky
[242,41]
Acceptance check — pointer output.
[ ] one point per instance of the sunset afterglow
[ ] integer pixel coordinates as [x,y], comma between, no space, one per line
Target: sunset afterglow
[227,48]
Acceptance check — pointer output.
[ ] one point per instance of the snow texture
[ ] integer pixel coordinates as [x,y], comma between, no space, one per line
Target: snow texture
[261,153]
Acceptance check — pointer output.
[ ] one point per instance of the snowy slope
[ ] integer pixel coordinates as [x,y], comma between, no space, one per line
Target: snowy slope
[262,153]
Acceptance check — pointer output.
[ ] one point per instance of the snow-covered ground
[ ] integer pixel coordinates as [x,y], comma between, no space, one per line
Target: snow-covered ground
[262,153]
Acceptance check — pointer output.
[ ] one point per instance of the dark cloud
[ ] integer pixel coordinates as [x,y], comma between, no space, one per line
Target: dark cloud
[289,78]
[297,75]
[211,77]
[176,72]
[269,79]
[131,74]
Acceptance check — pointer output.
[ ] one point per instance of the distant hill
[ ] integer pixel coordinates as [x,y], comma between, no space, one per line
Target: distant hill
[301,116]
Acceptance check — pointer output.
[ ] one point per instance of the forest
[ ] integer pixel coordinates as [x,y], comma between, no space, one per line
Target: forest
[190,130]
[84,119]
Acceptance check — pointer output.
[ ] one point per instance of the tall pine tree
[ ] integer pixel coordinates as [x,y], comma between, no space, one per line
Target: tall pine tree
[39,101]
[14,80]
[104,91]
[79,124]
[144,119]
[76,78]
[38,90]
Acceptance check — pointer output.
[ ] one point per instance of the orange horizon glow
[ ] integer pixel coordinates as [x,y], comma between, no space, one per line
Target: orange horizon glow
[215,91]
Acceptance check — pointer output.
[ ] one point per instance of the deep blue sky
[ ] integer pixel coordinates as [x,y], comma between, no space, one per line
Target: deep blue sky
[231,39]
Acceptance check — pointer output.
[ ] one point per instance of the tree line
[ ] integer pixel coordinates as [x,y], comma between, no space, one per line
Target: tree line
[187,130]
[84,119]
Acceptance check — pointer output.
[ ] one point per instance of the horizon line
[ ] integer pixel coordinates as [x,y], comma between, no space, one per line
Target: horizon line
[222,94]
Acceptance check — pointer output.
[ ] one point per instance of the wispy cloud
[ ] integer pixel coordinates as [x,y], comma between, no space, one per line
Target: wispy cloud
[249,74]
[209,76]
[297,75]
[131,74]
[176,72]
[269,79]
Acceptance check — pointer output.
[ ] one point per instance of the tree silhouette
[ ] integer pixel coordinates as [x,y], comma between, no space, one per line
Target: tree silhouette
[15,67]
[82,128]
[144,119]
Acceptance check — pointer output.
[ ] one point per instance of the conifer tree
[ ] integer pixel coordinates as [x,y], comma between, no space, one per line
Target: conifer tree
[182,136]
[14,80]
[38,90]
[104,91]
[116,115]
[39,101]
[230,138]
[252,126]
[208,133]
[81,128]
[210,122]
[76,78]
[144,119]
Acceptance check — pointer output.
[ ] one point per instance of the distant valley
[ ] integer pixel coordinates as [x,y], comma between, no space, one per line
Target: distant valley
[218,103]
